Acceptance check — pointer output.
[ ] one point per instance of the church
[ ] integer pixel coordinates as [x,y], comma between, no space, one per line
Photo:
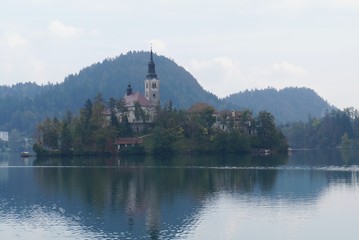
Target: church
[142,109]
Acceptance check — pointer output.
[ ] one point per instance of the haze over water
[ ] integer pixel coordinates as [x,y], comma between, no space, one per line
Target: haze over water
[308,195]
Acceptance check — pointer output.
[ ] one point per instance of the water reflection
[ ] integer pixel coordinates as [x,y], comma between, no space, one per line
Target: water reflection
[170,198]
[329,157]
[169,161]
[145,198]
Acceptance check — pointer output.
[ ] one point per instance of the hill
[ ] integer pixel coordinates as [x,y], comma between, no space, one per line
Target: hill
[287,105]
[112,76]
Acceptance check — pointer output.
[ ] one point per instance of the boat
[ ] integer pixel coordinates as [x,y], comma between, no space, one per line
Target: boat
[264,151]
[25,154]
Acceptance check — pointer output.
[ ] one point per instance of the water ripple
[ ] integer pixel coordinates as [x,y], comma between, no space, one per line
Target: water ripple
[332,168]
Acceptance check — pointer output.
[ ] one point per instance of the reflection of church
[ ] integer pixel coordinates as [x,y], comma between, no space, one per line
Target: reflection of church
[142,109]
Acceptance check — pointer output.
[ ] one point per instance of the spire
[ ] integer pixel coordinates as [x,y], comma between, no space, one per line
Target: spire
[151,68]
[129,90]
[151,55]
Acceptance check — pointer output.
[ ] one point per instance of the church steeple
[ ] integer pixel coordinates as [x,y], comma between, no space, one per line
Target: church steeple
[152,83]
[151,68]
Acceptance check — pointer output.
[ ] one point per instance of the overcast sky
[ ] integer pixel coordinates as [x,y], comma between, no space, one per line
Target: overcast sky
[228,45]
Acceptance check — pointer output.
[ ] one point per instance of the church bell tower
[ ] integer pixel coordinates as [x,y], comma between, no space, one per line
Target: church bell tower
[152,84]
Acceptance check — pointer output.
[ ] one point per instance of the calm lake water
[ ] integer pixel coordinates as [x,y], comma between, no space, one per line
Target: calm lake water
[307,195]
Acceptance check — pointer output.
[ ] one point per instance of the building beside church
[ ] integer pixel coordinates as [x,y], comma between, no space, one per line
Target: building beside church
[142,109]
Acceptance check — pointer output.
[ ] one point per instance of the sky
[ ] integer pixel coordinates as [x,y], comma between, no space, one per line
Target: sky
[227,45]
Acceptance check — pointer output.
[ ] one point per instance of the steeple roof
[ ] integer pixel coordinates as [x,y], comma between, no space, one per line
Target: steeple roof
[151,68]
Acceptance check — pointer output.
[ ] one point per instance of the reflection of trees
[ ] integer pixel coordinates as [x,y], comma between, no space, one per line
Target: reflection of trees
[349,156]
[139,189]
[325,157]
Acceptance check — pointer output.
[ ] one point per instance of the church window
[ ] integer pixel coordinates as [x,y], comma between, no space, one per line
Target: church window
[146,85]
[154,95]
[154,85]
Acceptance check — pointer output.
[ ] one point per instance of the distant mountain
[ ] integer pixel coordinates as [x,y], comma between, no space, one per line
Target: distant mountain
[287,105]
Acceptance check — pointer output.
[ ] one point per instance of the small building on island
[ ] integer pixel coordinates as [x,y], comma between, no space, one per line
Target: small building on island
[128,142]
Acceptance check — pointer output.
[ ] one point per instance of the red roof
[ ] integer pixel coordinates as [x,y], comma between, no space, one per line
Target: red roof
[136,97]
[129,141]
[106,112]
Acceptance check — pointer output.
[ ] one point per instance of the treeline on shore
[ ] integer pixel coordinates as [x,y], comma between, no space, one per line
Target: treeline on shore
[90,132]
[336,128]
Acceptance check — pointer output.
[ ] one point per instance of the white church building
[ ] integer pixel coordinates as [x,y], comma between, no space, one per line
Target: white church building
[149,102]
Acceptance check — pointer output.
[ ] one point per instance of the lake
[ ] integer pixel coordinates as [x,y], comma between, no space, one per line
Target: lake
[306,195]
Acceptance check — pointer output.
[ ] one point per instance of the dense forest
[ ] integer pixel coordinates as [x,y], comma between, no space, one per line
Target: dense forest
[24,105]
[336,129]
[90,132]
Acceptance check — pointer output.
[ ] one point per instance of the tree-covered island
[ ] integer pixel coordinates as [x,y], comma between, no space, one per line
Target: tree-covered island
[137,124]
[103,128]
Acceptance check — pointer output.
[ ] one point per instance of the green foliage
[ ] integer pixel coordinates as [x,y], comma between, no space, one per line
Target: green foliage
[163,140]
[335,128]
[267,135]
[90,132]
[231,142]
[345,141]
[196,128]
[174,131]
[169,123]
[65,139]
[140,114]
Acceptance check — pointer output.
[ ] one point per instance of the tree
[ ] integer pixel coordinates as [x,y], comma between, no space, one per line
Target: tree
[345,141]
[121,106]
[163,140]
[65,139]
[140,114]
[82,126]
[16,142]
[48,132]
[267,135]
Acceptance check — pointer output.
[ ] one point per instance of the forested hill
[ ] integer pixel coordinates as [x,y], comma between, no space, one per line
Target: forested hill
[23,105]
[287,105]
[112,76]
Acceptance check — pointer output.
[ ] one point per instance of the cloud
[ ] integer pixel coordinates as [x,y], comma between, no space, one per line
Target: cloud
[219,75]
[287,68]
[59,29]
[223,75]
[278,75]
[229,67]
[14,40]
[19,60]
[222,66]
